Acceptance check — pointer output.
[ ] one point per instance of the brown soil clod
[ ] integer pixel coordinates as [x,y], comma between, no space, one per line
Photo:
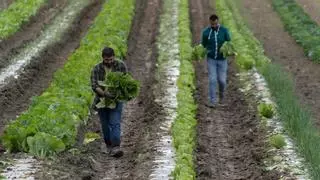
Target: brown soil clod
[5,4]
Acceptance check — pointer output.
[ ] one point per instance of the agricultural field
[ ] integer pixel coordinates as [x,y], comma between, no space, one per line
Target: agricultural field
[267,128]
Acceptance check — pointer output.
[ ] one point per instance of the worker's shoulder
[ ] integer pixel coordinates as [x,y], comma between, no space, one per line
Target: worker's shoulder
[119,61]
[98,66]
[206,29]
[223,28]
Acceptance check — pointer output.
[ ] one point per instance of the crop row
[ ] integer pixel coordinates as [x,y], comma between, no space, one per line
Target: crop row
[50,124]
[301,27]
[16,14]
[184,127]
[297,119]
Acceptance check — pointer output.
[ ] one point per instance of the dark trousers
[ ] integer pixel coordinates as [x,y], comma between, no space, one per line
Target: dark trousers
[110,123]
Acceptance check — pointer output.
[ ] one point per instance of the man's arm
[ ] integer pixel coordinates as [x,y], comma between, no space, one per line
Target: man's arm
[94,82]
[203,39]
[123,67]
[227,35]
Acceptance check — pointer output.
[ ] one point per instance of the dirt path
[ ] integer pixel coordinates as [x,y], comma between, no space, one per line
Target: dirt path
[29,31]
[229,142]
[16,95]
[311,7]
[5,3]
[281,48]
[139,125]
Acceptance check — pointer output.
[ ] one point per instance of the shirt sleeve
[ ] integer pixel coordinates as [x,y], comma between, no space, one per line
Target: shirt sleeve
[203,39]
[123,67]
[94,78]
[227,35]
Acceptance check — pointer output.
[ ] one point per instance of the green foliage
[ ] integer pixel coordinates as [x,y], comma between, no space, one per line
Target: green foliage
[89,137]
[43,144]
[277,141]
[297,119]
[243,44]
[245,62]
[301,27]
[199,52]
[122,86]
[228,49]
[266,110]
[62,107]
[184,127]
[16,14]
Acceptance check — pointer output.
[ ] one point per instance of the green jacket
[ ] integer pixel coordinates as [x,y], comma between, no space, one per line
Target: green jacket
[213,39]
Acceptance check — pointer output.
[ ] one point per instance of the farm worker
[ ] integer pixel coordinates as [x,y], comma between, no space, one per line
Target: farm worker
[212,39]
[109,118]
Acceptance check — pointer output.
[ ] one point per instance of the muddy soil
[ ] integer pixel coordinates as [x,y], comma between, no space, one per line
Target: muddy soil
[230,145]
[16,95]
[282,49]
[139,125]
[5,3]
[30,30]
[311,7]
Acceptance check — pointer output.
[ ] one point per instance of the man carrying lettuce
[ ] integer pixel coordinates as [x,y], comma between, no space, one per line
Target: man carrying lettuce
[110,118]
[213,37]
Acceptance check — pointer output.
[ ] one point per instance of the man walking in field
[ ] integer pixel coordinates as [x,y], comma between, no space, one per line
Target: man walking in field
[212,39]
[110,118]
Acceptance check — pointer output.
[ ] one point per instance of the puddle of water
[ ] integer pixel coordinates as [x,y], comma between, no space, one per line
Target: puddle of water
[168,74]
[288,158]
[23,168]
[53,33]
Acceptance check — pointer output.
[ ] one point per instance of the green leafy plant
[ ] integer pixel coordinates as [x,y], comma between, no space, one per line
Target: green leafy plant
[277,141]
[90,137]
[184,126]
[228,49]
[43,144]
[300,26]
[297,119]
[16,14]
[122,86]
[245,61]
[266,110]
[56,114]
[199,52]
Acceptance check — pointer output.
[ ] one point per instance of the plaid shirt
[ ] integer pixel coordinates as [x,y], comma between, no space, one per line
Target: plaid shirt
[98,73]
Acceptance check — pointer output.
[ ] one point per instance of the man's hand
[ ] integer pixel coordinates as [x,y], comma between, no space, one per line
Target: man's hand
[109,95]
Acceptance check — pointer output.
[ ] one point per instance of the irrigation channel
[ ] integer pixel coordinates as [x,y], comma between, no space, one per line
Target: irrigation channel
[230,143]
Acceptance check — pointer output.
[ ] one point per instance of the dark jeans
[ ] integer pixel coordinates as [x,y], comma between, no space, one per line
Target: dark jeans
[110,122]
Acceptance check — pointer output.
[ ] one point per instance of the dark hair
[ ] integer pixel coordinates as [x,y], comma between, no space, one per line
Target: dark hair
[107,52]
[214,17]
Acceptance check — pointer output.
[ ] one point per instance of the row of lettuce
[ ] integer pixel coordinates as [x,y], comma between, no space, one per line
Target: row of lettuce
[16,14]
[50,124]
[301,26]
[184,127]
[297,119]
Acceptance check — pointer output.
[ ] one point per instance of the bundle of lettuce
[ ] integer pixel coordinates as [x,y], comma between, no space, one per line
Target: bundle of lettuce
[199,52]
[228,49]
[121,86]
